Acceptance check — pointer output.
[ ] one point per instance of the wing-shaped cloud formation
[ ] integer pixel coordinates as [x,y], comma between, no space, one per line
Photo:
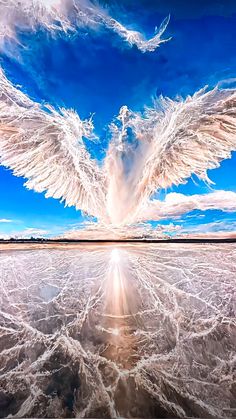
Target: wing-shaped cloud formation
[67,15]
[46,146]
[176,204]
[165,146]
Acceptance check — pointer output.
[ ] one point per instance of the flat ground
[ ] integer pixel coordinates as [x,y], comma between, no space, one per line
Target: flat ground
[117,330]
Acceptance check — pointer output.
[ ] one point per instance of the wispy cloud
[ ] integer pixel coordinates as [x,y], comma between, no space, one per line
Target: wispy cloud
[6,220]
[217,229]
[67,15]
[137,38]
[34,231]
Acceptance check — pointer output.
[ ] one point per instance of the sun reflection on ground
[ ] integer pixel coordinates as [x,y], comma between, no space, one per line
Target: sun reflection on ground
[145,331]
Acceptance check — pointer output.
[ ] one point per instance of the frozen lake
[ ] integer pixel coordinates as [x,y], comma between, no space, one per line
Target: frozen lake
[126,330]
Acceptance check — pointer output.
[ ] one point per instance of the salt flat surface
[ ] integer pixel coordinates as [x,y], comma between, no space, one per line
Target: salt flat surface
[129,330]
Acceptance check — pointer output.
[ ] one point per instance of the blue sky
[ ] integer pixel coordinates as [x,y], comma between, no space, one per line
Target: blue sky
[96,73]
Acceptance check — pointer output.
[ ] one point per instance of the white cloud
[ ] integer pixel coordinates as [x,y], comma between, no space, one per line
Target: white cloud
[137,38]
[99,231]
[67,15]
[6,220]
[176,204]
[32,232]
[26,233]
[215,229]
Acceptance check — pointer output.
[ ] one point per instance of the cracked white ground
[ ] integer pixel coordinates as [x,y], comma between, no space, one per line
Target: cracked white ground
[131,330]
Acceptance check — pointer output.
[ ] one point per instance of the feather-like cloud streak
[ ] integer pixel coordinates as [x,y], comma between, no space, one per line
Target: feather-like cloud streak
[100,231]
[137,38]
[67,15]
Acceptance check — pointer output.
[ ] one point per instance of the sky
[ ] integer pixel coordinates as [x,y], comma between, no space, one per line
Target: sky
[95,72]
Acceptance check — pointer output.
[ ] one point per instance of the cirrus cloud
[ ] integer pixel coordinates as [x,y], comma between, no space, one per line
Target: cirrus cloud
[65,16]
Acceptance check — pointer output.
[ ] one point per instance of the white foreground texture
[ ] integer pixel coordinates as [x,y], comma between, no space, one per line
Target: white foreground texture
[140,330]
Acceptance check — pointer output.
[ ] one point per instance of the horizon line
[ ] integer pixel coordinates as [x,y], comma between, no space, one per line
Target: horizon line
[168,240]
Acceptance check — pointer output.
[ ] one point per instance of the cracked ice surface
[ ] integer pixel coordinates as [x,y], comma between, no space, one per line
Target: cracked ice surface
[136,330]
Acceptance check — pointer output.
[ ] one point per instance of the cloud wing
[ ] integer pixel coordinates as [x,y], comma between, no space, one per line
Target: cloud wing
[46,147]
[166,145]
[187,137]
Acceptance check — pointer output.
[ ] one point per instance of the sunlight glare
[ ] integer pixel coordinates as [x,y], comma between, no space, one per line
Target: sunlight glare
[115,257]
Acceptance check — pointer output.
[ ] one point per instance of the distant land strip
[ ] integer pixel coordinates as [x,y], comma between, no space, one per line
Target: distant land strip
[64,241]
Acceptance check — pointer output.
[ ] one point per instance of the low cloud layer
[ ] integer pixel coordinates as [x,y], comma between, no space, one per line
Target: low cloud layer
[25,233]
[215,229]
[99,231]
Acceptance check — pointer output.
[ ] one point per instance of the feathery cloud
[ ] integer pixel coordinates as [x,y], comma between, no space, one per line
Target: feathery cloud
[57,16]
[172,141]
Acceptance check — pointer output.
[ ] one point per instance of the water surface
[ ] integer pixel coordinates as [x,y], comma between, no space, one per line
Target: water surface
[129,330]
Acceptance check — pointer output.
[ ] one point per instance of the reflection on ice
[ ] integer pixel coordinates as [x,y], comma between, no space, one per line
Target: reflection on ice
[126,330]
[115,257]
